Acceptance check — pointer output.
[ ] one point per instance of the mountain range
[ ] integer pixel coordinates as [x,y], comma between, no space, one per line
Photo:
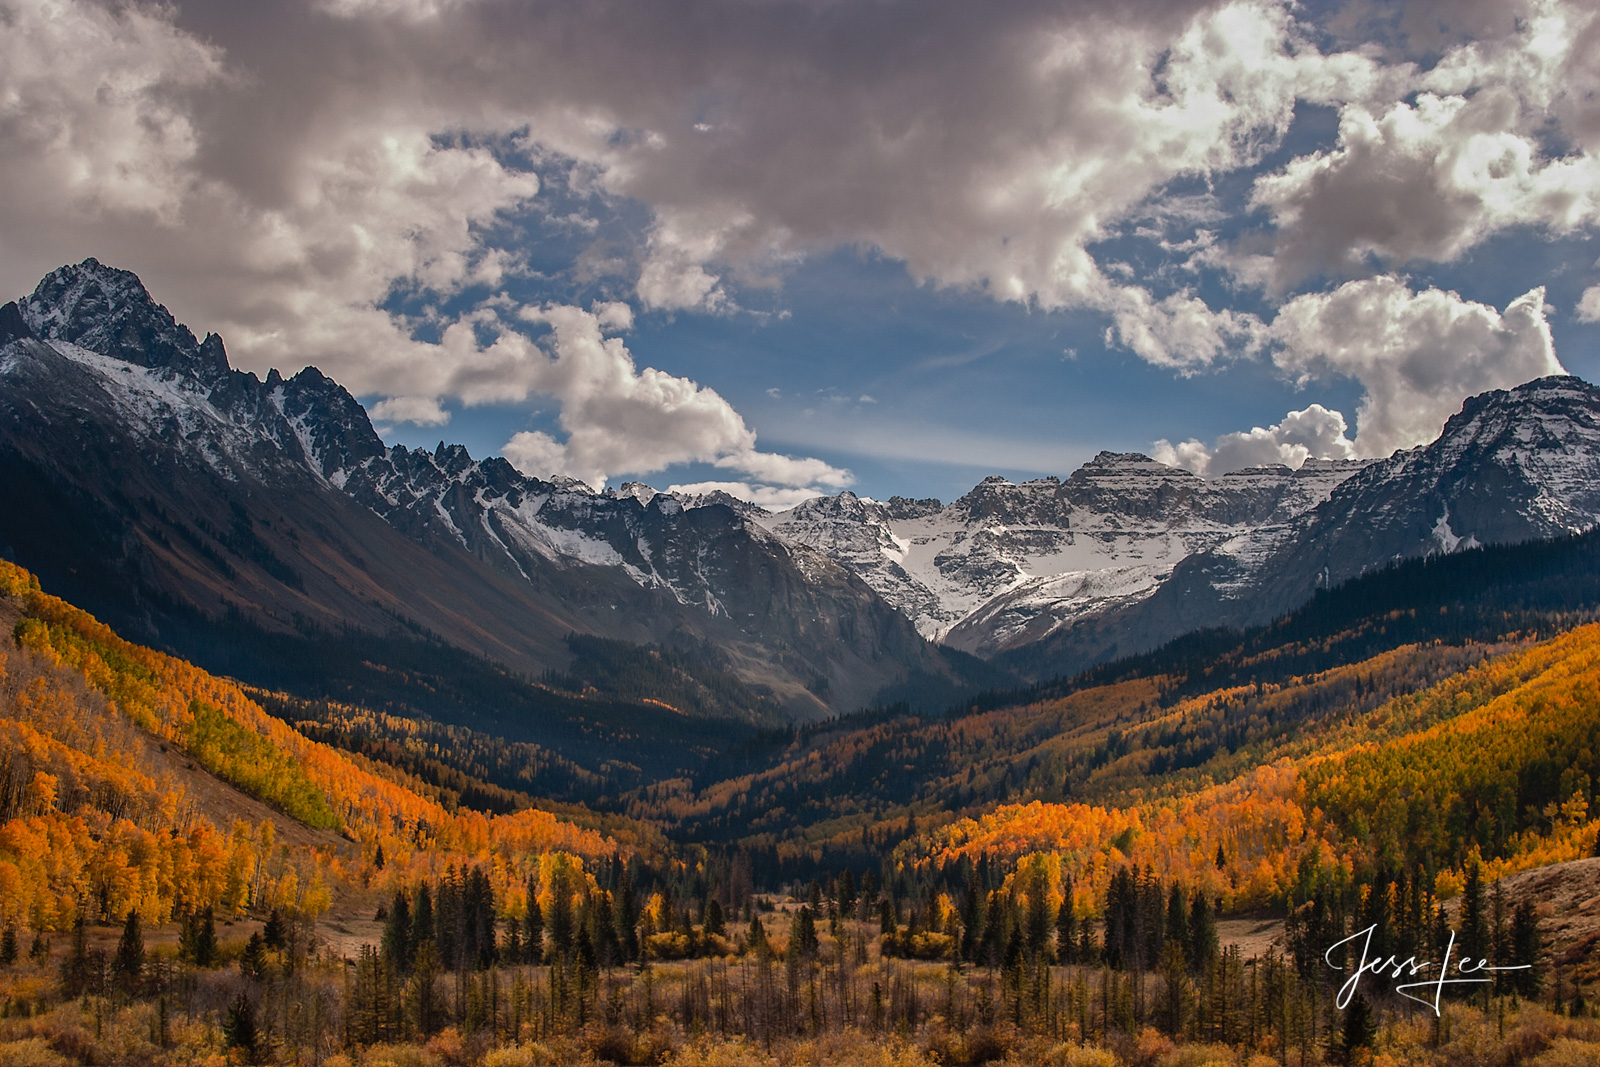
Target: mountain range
[217,514]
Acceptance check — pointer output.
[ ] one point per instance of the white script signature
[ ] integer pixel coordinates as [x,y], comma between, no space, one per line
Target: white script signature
[1410,968]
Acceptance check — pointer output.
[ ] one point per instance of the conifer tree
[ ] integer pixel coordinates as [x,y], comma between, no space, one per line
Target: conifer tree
[396,944]
[421,920]
[253,961]
[273,932]
[803,942]
[75,968]
[1358,1030]
[1526,945]
[128,963]
[239,1030]
[715,925]
[1202,931]
[533,931]
[1067,931]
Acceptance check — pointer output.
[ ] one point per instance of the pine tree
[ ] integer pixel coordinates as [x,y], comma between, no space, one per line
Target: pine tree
[847,894]
[715,925]
[1067,931]
[1178,920]
[1359,1029]
[1474,921]
[397,934]
[75,968]
[1526,945]
[8,945]
[533,932]
[128,963]
[756,938]
[1202,931]
[421,997]
[273,932]
[253,961]
[197,942]
[421,920]
[803,941]
[239,1029]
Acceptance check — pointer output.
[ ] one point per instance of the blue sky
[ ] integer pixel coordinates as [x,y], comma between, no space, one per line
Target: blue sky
[795,247]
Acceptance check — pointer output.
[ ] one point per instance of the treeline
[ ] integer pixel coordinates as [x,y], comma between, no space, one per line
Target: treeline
[1532,590]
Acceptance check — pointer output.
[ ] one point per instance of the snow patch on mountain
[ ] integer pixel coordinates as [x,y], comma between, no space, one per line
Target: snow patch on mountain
[1011,562]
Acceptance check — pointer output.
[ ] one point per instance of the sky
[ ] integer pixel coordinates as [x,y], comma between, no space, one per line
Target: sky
[785,248]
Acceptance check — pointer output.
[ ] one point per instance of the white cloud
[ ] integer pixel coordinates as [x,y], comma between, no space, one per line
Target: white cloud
[417,410]
[1428,178]
[95,110]
[281,175]
[291,248]
[622,420]
[1314,432]
[1180,330]
[1589,305]
[1416,354]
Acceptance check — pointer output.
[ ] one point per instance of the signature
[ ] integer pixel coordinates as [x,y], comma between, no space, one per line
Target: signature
[1410,968]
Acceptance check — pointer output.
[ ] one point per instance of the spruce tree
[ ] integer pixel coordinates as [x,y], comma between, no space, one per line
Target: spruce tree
[128,963]
[75,968]
[421,920]
[1474,920]
[397,945]
[253,961]
[239,1030]
[1358,1030]
[1526,945]
[273,933]
[533,931]
[1202,931]
[1067,931]
[804,938]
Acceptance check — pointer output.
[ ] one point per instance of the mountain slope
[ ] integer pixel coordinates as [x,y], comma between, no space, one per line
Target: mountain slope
[168,492]
[1009,564]
[1515,465]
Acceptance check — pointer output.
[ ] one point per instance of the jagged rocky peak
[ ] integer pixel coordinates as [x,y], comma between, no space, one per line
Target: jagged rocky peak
[634,491]
[1000,500]
[845,507]
[715,498]
[330,423]
[109,311]
[900,507]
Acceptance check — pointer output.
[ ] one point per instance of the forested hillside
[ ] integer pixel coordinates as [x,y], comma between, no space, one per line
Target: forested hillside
[1084,853]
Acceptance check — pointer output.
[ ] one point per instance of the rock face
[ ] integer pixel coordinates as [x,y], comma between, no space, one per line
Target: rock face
[1515,465]
[149,481]
[1007,565]
[146,479]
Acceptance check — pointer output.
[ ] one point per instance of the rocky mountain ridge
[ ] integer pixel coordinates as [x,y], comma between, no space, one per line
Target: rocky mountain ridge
[158,478]
[194,485]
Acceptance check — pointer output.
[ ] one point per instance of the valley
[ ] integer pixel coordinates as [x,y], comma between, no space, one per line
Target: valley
[1066,768]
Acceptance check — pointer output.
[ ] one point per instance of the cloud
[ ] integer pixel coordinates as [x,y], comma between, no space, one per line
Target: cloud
[1588,309]
[417,410]
[1417,355]
[1467,156]
[619,419]
[292,174]
[986,150]
[1311,433]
